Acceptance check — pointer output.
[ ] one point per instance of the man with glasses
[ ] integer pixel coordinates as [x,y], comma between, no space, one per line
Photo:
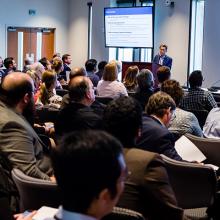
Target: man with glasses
[155,136]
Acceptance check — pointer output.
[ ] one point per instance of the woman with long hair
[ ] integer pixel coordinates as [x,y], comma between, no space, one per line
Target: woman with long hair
[130,81]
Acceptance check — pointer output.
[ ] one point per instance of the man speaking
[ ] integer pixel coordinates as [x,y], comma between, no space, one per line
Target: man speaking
[161,58]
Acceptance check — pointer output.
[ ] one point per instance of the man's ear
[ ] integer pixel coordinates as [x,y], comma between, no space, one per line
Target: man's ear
[26,98]
[105,195]
[88,95]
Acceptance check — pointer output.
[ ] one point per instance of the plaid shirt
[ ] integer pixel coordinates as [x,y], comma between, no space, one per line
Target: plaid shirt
[198,99]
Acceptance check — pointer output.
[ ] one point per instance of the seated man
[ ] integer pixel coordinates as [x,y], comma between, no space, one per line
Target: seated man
[90,172]
[78,115]
[18,141]
[91,69]
[184,122]
[145,81]
[163,74]
[155,136]
[211,128]
[197,98]
[147,188]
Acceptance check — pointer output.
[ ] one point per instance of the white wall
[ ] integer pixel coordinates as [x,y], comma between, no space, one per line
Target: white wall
[99,51]
[49,13]
[172,28]
[78,31]
[211,44]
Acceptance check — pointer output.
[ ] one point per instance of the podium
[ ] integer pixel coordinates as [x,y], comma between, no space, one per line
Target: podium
[142,65]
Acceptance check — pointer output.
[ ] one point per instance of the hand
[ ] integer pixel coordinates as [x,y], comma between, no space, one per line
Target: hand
[53,179]
[28,217]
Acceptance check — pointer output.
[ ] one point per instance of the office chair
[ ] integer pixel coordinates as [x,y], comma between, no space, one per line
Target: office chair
[34,192]
[193,184]
[210,147]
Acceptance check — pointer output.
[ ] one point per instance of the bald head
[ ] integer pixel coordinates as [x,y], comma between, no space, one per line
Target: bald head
[14,87]
[79,87]
[78,71]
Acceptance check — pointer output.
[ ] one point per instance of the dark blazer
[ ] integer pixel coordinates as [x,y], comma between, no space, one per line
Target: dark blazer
[147,189]
[62,74]
[167,61]
[157,138]
[21,145]
[142,96]
[76,116]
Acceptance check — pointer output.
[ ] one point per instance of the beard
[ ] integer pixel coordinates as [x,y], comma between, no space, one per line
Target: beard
[29,112]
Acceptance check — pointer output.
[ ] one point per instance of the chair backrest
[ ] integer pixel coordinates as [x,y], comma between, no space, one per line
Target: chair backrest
[35,193]
[61,92]
[103,100]
[46,114]
[201,115]
[123,214]
[193,184]
[210,148]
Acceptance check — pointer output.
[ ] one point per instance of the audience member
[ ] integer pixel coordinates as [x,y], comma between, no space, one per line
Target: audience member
[1,63]
[161,58]
[57,55]
[163,74]
[101,67]
[57,67]
[145,89]
[211,129]
[91,69]
[1,69]
[78,115]
[27,62]
[97,176]
[119,69]
[35,78]
[38,67]
[184,122]
[46,63]
[10,65]
[66,58]
[109,86]
[197,98]
[147,188]
[18,141]
[155,136]
[78,71]
[130,81]
[47,94]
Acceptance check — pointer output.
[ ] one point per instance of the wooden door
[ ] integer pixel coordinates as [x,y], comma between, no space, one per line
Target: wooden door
[29,42]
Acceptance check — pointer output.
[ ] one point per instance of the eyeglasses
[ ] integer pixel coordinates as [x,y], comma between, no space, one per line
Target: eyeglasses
[173,115]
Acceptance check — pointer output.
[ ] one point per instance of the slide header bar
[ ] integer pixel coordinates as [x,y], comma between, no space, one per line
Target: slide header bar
[128,11]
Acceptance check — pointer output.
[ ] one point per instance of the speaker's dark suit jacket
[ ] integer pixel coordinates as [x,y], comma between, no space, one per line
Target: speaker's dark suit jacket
[147,189]
[167,61]
[157,138]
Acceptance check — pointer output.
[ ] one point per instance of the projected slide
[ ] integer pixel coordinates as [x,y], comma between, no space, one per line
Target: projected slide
[129,27]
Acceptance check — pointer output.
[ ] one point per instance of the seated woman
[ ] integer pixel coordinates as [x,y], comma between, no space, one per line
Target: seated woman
[109,86]
[57,68]
[130,81]
[47,94]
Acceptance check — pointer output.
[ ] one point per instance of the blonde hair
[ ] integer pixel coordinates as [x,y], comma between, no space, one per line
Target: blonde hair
[110,72]
[130,80]
[57,64]
[48,79]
